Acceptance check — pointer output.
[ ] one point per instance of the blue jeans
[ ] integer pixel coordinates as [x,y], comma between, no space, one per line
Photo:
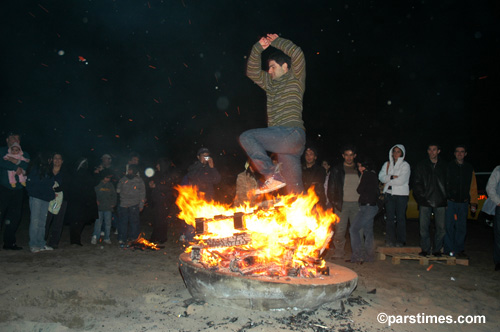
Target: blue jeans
[395,224]
[425,222]
[363,221]
[106,217]
[287,142]
[128,223]
[39,210]
[456,227]
[496,233]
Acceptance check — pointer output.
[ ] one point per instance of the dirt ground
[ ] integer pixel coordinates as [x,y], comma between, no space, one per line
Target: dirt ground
[108,288]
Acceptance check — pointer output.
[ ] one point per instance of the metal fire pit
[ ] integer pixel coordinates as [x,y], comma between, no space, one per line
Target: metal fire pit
[266,293]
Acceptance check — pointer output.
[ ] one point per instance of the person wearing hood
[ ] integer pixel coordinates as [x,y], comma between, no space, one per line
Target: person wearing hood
[395,175]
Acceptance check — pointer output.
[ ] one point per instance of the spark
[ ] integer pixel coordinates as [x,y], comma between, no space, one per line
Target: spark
[39,5]
[104,79]
[152,67]
[45,65]
[83,117]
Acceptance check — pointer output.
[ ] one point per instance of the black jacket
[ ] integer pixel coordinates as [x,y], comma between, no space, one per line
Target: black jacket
[458,181]
[204,177]
[429,185]
[368,188]
[315,176]
[335,189]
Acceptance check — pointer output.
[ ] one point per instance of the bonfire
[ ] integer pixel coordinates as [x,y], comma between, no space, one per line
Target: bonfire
[286,238]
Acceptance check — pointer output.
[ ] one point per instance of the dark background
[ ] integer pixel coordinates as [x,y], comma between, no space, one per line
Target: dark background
[164,78]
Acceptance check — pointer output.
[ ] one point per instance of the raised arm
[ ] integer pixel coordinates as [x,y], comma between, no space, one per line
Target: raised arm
[254,64]
[293,51]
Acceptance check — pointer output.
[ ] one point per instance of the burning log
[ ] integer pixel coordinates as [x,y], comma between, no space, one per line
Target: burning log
[235,240]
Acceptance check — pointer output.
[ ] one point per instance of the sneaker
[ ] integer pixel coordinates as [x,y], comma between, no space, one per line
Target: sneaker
[46,248]
[102,233]
[120,242]
[35,249]
[107,241]
[116,231]
[94,240]
[275,182]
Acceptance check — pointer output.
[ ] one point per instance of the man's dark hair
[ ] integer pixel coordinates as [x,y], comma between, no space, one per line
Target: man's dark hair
[460,146]
[280,58]
[132,155]
[367,163]
[134,168]
[313,149]
[348,147]
[434,144]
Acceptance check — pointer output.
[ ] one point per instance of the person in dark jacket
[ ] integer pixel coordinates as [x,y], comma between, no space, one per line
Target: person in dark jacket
[82,201]
[314,175]
[461,187]
[55,217]
[363,250]
[40,187]
[342,185]
[11,198]
[429,191]
[203,174]
[162,199]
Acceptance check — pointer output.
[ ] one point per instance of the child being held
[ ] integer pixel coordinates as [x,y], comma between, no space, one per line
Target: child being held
[16,152]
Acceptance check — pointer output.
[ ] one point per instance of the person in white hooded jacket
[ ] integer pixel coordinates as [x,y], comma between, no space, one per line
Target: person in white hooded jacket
[395,175]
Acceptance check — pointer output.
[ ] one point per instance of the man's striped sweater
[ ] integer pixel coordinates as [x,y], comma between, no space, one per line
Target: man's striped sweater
[284,94]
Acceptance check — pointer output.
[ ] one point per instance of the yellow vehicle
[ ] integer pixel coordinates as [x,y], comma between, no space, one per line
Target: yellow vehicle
[481,178]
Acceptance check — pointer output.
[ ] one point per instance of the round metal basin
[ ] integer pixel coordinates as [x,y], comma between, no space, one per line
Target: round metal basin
[266,293]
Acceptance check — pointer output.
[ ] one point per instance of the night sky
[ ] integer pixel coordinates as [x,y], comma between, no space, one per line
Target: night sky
[164,78]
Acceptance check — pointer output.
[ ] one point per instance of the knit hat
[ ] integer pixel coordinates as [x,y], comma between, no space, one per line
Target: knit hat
[202,150]
[15,144]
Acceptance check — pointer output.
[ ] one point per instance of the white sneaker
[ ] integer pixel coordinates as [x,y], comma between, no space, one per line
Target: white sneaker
[46,248]
[273,183]
[107,241]
[102,233]
[35,249]
[94,240]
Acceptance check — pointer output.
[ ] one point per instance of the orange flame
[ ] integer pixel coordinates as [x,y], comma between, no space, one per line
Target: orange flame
[292,234]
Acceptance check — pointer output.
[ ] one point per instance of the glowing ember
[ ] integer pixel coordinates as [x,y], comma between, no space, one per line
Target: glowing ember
[286,239]
[142,243]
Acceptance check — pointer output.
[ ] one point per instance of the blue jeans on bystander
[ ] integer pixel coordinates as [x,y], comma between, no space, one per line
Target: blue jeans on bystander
[395,224]
[38,209]
[363,250]
[104,218]
[128,223]
[456,227]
